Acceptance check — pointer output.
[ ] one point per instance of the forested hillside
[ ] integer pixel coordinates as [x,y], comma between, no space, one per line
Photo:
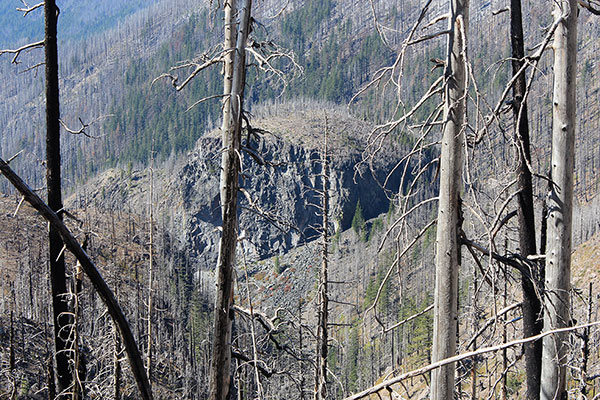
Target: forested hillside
[158,37]
[334,199]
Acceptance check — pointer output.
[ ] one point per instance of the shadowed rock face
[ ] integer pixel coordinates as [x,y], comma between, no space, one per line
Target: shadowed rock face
[278,178]
[281,192]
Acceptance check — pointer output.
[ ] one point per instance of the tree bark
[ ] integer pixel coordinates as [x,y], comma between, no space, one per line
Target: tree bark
[11,351]
[445,328]
[234,80]
[62,321]
[300,350]
[585,347]
[560,203]
[223,317]
[531,306]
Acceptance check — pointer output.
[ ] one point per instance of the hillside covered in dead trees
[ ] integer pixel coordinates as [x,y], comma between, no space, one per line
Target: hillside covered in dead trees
[294,199]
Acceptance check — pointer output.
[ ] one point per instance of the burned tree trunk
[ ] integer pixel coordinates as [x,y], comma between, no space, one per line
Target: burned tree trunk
[445,327]
[322,337]
[150,273]
[234,79]
[532,306]
[60,307]
[560,203]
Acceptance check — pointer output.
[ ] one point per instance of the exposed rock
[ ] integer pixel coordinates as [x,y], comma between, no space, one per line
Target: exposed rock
[281,188]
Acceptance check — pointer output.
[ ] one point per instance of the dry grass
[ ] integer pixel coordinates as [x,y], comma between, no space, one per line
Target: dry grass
[586,265]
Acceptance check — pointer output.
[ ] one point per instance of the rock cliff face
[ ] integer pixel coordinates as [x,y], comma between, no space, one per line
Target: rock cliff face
[277,209]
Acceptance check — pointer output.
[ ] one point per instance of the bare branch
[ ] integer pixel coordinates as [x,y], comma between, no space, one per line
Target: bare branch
[390,126]
[263,370]
[533,61]
[202,100]
[203,62]
[269,325]
[397,67]
[500,11]
[266,54]
[35,66]
[27,9]
[437,19]
[17,52]
[401,218]
[19,206]
[15,156]
[592,6]
[391,268]
[270,217]
[83,130]
[429,37]
[404,321]
[491,321]
[281,11]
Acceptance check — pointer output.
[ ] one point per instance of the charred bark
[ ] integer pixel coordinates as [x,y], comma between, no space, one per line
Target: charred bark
[323,312]
[531,306]
[60,307]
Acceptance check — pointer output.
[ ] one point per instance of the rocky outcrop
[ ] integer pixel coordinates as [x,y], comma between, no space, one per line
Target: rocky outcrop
[279,174]
[278,177]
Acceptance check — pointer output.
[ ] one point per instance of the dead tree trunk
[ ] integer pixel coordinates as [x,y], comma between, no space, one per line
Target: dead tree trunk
[531,306]
[475,330]
[150,272]
[300,350]
[585,348]
[558,248]
[11,351]
[234,79]
[79,365]
[116,365]
[223,317]
[62,321]
[321,364]
[449,219]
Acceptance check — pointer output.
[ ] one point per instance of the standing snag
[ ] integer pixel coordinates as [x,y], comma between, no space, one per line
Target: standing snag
[447,262]
[62,317]
[557,302]
[234,80]
[323,293]
[532,308]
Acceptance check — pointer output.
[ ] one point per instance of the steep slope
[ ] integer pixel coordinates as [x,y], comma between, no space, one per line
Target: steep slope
[93,79]
[107,79]
[117,242]
[360,354]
